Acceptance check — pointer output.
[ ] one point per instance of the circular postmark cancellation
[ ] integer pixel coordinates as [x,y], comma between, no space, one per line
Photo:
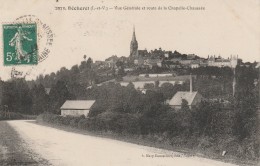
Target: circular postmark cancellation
[44,35]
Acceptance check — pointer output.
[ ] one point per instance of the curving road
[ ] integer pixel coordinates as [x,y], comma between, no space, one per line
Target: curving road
[64,148]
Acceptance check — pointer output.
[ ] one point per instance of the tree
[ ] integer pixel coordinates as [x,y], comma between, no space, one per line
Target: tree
[184,105]
[89,63]
[83,66]
[16,95]
[76,90]
[168,90]
[39,99]
[58,95]
[149,86]
[156,84]
[246,100]
[130,85]
[74,74]
[75,69]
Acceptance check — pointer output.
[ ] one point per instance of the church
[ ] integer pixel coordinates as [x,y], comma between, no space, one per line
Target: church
[134,46]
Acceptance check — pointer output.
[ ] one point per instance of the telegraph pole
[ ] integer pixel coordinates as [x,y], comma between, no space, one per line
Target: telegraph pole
[258,105]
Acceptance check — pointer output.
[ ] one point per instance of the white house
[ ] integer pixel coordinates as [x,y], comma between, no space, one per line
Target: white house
[192,97]
[76,107]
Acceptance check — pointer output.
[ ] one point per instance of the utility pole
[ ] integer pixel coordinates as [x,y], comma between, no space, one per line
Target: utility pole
[258,106]
[234,82]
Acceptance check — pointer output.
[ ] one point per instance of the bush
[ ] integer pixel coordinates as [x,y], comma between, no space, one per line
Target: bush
[60,120]
[14,116]
[207,128]
[83,124]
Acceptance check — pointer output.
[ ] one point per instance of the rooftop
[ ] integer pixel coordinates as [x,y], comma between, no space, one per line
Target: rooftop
[177,98]
[78,104]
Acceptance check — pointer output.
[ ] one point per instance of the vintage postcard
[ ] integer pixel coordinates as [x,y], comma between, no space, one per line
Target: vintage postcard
[130,83]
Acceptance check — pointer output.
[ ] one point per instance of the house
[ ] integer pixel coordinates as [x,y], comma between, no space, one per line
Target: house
[76,107]
[186,62]
[139,61]
[176,60]
[192,97]
[203,63]
[191,56]
[195,64]
[153,62]
[142,53]
[221,62]
[167,54]
[111,61]
[129,69]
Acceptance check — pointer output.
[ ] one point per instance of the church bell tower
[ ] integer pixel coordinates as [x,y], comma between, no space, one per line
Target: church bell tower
[134,46]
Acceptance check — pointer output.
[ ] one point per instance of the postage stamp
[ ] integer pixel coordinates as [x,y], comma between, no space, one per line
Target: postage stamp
[20,44]
[45,35]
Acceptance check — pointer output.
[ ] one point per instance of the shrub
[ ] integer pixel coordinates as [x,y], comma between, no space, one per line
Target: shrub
[83,124]
[11,116]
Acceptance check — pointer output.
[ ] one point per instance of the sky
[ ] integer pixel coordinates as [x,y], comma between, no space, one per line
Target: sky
[225,27]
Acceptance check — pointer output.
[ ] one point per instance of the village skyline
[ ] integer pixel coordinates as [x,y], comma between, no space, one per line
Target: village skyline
[217,60]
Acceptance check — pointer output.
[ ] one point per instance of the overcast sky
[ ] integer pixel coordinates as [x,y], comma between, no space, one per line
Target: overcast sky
[226,27]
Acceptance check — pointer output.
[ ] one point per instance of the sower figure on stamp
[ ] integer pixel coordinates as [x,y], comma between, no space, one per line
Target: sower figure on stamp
[17,42]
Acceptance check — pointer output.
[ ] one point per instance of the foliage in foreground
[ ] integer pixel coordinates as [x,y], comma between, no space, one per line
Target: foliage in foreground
[14,116]
[208,132]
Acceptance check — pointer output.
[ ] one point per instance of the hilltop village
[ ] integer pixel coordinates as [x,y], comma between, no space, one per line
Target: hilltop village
[142,68]
[165,59]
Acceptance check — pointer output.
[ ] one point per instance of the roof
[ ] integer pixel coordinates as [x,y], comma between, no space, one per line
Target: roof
[195,62]
[154,61]
[177,98]
[143,51]
[222,60]
[78,104]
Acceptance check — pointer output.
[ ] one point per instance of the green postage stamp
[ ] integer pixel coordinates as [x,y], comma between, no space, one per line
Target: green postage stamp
[20,44]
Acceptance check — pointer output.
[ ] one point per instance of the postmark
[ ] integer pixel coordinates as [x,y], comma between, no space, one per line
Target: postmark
[20,44]
[45,35]
[36,42]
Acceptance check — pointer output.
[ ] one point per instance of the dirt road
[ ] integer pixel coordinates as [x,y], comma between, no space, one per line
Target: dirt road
[13,149]
[71,149]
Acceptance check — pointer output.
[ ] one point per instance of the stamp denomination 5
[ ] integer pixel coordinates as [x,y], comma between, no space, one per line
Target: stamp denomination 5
[20,44]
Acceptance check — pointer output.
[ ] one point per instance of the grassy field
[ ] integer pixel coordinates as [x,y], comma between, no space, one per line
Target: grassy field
[12,149]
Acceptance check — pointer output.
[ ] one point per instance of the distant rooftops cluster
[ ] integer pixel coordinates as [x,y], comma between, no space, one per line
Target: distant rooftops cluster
[166,59]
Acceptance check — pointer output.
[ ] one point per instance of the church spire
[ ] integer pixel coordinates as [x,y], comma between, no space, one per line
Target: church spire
[134,45]
[134,38]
